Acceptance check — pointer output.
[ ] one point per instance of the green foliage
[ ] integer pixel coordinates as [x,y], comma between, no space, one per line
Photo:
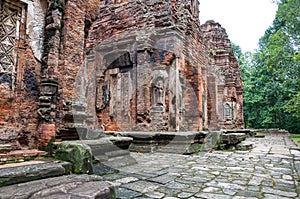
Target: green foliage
[271,76]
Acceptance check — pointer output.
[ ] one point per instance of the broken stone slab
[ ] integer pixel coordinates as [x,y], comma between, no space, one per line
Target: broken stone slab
[110,151]
[108,144]
[73,186]
[25,173]
[84,153]
[108,147]
[212,140]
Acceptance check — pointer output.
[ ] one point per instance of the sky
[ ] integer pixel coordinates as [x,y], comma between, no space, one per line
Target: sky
[245,21]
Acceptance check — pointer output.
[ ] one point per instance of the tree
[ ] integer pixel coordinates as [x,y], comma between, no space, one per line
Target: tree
[272,76]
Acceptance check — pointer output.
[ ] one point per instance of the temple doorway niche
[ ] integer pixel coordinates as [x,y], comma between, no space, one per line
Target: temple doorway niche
[12,14]
[115,92]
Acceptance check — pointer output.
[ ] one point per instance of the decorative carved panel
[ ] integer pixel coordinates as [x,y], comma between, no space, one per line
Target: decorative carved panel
[10,16]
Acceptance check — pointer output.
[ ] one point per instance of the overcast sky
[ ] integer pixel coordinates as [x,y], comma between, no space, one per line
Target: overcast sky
[245,21]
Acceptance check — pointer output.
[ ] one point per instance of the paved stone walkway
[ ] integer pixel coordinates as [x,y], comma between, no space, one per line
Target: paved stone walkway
[270,170]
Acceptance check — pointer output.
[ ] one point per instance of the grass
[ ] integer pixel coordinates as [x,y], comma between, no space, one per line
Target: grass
[296,138]
[294,135]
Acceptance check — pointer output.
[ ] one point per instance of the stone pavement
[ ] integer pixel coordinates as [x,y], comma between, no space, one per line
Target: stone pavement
[270,170]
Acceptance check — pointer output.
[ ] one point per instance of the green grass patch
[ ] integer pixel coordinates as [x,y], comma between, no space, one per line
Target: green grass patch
[296,138]
[294,135]
[228,150]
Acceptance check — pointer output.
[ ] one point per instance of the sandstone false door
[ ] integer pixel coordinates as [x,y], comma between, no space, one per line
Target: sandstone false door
[121,91]
[10,16]
[115,92]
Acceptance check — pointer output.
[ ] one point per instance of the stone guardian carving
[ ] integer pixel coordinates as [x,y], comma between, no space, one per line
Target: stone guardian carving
[158,91]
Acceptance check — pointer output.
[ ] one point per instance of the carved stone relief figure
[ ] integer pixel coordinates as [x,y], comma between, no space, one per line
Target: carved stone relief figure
[158,90]
[227,111]
[158,93]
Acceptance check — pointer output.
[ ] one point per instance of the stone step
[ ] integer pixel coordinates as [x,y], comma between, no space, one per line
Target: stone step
[32,170]
[248,132]
[172,142]
[168,142]
[20,155]
[5,148]
[74,186]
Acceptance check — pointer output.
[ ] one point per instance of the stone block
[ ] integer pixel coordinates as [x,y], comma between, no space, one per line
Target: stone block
[78,153]
[244,146]
[233,138]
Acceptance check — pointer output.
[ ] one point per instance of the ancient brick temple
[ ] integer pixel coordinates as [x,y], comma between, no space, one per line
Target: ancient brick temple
[119,65]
